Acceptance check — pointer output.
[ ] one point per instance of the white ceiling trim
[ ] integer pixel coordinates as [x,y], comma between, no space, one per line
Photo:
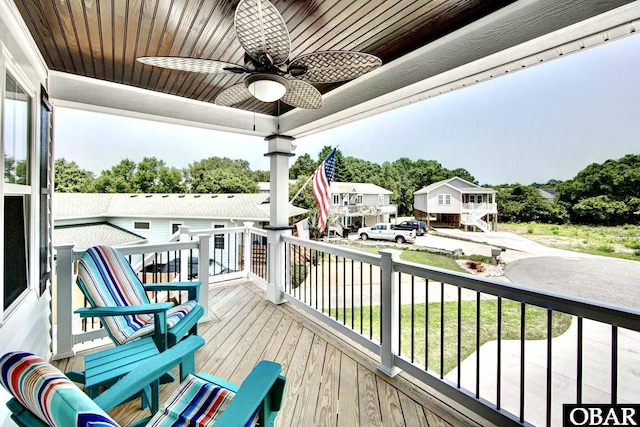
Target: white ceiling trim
[84,93]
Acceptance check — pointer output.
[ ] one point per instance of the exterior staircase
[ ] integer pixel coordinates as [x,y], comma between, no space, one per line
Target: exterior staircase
[474,218]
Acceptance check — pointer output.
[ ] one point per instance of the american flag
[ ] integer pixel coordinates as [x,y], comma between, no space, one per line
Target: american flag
[322,178]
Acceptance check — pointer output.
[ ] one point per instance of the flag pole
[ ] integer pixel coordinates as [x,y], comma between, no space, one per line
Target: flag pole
[295,196]
[302,188]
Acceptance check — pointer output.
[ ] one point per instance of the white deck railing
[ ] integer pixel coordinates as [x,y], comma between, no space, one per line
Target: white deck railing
[244,256]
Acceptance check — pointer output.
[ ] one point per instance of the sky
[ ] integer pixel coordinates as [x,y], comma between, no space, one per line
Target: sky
[545,122]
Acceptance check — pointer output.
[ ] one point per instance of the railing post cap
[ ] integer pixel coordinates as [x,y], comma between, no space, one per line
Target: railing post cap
[65,246]
[393,253]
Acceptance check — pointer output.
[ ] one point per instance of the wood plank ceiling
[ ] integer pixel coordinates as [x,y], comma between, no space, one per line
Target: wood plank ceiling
[102,38]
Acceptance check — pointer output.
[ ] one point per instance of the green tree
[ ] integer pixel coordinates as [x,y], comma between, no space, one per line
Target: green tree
[261,176]
[604,193]
[154,176]
[220,175]
[303,166]
[521,203]
[71,179]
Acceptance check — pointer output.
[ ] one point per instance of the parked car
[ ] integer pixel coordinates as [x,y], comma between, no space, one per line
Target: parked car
[385,231]
[172,268]
[419,226]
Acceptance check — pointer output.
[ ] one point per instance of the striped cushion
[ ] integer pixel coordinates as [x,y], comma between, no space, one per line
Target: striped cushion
[108,280]
[174,315]
[47,393]
[196,403]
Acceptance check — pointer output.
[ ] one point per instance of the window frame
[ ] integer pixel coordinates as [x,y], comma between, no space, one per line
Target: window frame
[219,237]
[444,199]
[135,223]
[29,190]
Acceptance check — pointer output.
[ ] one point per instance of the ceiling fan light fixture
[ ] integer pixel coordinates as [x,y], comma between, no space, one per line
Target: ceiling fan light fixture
[267,87]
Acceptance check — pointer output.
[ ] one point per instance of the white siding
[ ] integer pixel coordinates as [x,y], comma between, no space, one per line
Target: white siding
[454,207]
[160,230]
[26,326]
[420,202]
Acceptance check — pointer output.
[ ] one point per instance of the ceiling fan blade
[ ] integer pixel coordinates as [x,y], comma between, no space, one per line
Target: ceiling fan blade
[302,95]
[332,66]
[233,95]
[196,65]
[260,29]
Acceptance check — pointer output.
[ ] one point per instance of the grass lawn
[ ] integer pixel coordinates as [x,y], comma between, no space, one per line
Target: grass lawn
[535,321]
[420,257]
[619,242]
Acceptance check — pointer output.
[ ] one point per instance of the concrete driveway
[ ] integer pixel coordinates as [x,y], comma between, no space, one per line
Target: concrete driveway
[610,280]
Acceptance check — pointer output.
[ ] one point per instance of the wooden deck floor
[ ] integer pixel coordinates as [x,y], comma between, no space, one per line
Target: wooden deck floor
[330,382]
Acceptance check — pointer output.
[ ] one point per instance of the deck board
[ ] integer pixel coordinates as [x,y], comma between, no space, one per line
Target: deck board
[311,383]
[295,375]
[329,381]
[327,408]
[348,404]
[389,404]
[369,404]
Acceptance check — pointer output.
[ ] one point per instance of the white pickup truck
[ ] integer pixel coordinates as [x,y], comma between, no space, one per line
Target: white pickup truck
[384,231]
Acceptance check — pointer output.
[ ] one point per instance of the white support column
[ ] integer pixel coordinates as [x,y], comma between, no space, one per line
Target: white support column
[203,273]
[247,249]
[64,302]
[280,149]
[389,312]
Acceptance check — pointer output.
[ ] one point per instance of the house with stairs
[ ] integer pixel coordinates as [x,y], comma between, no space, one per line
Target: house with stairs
[457,203]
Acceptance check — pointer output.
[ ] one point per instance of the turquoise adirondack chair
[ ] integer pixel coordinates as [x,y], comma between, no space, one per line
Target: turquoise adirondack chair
[43,396]
[119,298]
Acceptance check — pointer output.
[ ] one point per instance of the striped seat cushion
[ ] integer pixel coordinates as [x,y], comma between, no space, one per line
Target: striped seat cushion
[174,315]
[107,280]
[197,403]
[48,394]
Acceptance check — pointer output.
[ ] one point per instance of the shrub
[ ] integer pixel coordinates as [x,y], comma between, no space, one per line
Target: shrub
[608,249]
[555,229]
[531,227]
[477,258]
[637,252]
[632,244]
[298,274]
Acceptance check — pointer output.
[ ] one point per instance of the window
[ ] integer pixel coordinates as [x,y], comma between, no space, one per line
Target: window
[15,249]
[336,199]
[381,199]
[359,199]
[479,198]
[16,125]
[141,225]
[218,239]
[175,226]
[444,199]
[472,198]
[16,119]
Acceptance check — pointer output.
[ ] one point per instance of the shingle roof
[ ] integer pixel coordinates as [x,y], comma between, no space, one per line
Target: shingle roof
[357,187]
[456,182]
[253,207]
[101,233]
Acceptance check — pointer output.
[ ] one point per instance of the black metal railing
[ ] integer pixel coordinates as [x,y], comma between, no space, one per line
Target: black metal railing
[511,354]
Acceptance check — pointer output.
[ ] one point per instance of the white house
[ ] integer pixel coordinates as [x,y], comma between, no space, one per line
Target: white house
[359,204]
[87,219]
[456,202]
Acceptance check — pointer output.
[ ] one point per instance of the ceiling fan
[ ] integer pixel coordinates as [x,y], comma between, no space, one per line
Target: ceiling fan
[263,34]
